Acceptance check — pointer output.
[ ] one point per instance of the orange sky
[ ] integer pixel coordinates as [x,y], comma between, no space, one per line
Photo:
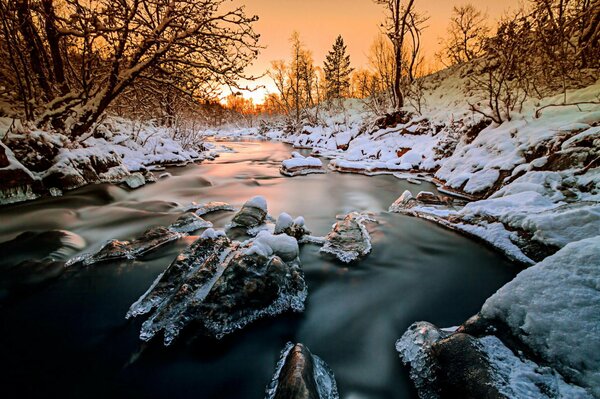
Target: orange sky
[320,21]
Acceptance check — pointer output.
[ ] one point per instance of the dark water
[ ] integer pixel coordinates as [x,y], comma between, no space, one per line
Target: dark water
[69,337]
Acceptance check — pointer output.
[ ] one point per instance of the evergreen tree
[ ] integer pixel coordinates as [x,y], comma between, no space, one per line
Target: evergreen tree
[337,70]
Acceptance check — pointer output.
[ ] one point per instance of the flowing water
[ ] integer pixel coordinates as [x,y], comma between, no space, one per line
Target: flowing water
[68,337]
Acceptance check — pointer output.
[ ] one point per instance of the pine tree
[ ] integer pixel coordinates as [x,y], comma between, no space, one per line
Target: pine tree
[337,70]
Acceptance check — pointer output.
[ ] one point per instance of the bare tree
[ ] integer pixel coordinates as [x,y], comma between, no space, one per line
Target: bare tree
[466,35]
[71,59]
[396,28]
[503,73]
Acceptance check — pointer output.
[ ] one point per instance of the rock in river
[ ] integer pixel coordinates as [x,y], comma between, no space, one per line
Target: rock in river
[292,227]
[213,206]
[151,240]
[301,375]
[189,222]
[252,214]
[222,285]
[299,165]
[349,239]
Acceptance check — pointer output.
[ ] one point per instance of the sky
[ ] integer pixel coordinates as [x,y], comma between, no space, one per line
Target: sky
[319,22]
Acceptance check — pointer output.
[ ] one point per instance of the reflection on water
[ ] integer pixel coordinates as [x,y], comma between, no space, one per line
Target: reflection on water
[70,338]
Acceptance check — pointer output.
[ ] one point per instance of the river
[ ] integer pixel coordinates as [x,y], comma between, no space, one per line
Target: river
[69,338]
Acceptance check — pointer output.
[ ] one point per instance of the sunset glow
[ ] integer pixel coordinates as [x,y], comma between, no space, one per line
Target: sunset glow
[358,21]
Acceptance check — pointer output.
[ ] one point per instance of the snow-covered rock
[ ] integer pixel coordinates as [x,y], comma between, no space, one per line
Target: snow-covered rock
[222,286]
[448,365]
[17,183]
[299,165]
[553,308]
[252,214]
[300,374]
[293,227]
[537,337]
[349,239]
[210,207]
[266,244]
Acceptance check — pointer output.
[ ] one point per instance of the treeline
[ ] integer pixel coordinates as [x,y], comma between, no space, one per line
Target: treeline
[544,48]
[65,64]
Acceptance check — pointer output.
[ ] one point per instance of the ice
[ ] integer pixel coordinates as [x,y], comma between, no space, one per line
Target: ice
[349,239]
[553,308]
[413,347]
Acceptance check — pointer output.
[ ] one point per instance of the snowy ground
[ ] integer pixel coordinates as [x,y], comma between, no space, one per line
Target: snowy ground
[117,148]
[535,181]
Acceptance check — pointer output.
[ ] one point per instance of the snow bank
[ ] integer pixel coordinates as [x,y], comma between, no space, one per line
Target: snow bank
[553,307]
[141,144]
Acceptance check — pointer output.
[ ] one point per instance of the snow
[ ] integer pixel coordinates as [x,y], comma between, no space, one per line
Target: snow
[267,244]
[212,234]
[553,308]
[257,202]
[302,162]
[522,378]
[283,222]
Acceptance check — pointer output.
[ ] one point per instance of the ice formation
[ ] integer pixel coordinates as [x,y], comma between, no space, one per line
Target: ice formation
[222,285]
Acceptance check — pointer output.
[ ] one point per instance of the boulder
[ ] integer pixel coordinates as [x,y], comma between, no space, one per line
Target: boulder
[252,214]
[292,227]
[135,180]
[299,165]
[429,198]
[301,375]
[76,170]
[405,201]
[210,207]
[188,223]
[149,241]
[349,239]
[222,286]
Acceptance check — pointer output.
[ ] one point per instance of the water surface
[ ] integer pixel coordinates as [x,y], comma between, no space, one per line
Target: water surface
[69,337]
